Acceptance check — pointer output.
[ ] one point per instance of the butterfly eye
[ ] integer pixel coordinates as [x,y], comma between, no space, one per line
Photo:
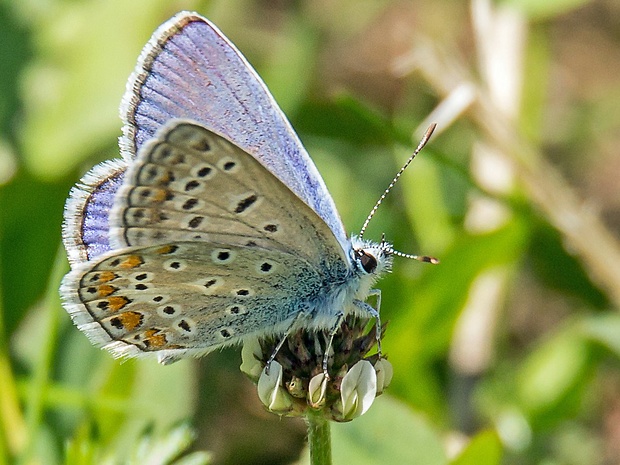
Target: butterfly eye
[368,261]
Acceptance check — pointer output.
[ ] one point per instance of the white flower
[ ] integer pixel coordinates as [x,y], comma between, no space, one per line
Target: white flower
[298,384]
[384,371]
[358,390]
[271,391]
[251,353]
[316,390]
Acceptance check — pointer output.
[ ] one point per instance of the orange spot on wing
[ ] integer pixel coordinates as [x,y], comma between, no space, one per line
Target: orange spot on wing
[106,276]
[116,303]
[159,195]
[154,339]
[166,249]
[105,290]
[132,261]
[131,320]
[164,179]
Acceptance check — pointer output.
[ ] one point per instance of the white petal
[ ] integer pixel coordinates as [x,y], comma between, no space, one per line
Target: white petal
[384,371]
[316,390]
[358,389]
[271,392]
[251,353]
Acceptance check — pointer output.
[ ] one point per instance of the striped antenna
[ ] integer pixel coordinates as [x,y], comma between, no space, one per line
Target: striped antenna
[420,258]
[425,138]
[388,249]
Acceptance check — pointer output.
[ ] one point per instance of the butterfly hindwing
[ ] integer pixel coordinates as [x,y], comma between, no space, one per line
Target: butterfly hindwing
[185,298]
[85,230]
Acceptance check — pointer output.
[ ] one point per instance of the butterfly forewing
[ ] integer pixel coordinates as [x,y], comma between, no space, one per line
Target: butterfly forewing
[190,70]
[190,184]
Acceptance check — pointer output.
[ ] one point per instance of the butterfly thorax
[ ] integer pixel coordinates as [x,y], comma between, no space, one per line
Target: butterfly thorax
[368,262]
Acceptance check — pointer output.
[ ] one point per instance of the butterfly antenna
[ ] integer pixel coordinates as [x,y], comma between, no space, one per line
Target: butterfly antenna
[420,258]
[391,251]
[425,138]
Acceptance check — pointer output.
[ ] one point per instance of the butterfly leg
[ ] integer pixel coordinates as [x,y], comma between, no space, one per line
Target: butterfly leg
[373,313]
[299,316]
[332,332]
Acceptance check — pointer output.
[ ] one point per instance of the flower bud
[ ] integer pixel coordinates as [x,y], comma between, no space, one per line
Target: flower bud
[251,354]
[302,381]
[384,371]
[271,391]
[317,389]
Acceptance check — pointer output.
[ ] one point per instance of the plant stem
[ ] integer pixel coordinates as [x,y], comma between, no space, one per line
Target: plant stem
[34,402]
[319,439]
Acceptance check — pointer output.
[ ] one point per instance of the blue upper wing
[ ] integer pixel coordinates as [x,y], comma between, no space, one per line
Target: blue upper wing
[189,69]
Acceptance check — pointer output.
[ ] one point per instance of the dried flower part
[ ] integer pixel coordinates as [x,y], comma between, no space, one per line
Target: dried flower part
[295,380]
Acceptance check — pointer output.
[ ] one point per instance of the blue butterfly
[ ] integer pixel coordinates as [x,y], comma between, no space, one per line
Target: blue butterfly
[215,225]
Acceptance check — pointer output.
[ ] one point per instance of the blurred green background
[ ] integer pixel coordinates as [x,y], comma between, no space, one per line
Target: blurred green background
[507,352]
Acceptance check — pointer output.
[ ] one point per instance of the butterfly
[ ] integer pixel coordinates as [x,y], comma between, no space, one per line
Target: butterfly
[215,225]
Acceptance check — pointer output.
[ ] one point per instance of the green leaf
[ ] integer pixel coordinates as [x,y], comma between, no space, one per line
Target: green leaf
[560,270]
[552,370]
[390,432]
[349,119]
[163,449]
[484,449]
[23,200]
[604,329]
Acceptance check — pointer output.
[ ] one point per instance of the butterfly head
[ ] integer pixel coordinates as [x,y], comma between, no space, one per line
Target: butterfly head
[372,258]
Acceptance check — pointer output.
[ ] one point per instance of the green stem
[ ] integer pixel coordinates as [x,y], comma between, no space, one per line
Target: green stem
[319,439]
[41,376]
